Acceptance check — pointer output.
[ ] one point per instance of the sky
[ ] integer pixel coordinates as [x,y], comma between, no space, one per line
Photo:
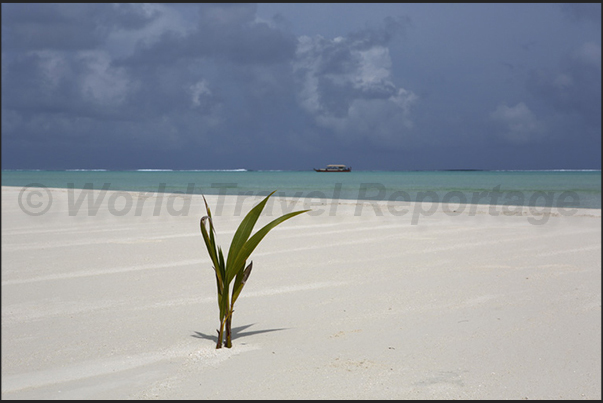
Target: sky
[299,86]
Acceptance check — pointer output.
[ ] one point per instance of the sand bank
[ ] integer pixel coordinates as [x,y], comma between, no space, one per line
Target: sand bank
[115,299]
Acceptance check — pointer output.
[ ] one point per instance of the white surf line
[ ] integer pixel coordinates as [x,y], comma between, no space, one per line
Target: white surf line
[87,273]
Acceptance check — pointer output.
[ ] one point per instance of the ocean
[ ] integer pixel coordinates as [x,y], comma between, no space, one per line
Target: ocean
[576,188]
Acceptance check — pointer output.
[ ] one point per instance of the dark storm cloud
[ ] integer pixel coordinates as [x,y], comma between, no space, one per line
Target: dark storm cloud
[58,84]
[221,83]
[391,28]
[226,33]
[346,85]
[225,83]
[220,86]
[67,26]
[575,87]
[566,99]
[172,90]
[257,44]
[583,11]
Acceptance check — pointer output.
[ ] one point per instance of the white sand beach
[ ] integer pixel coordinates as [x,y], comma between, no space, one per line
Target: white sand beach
[118,301]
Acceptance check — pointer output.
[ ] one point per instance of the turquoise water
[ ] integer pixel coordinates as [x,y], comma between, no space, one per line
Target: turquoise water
[541,188]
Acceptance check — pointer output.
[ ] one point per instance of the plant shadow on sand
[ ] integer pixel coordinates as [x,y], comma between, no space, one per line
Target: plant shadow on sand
[237,332]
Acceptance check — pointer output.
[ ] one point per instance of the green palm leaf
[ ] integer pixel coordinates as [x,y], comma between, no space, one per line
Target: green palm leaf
[239,282]
[251,244]
[209,242]
[241,236]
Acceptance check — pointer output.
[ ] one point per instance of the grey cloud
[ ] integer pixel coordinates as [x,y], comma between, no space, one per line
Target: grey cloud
[582,11]
[380,36]
[226,14]
[258,44]
[575,87]
[77,85]
[39,81]
[211,85]
[518,125]
[156,80]
[69,26]
[224,32]
[129,16]
[346,84]
[335,57]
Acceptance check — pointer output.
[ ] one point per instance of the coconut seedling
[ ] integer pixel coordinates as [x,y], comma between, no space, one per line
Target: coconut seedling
[234,269]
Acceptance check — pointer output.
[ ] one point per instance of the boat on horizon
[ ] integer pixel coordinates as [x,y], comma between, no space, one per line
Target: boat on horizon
[334,168]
